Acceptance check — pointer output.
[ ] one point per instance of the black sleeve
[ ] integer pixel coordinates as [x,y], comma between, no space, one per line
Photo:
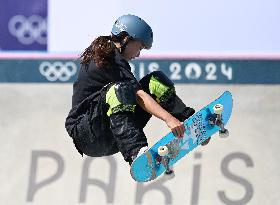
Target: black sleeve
[128,75]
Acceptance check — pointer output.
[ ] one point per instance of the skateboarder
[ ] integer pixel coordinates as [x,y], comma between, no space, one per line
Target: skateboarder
[110,107]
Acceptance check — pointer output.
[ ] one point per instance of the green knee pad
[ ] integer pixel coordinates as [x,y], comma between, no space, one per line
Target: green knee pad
[160,90]
[120,98]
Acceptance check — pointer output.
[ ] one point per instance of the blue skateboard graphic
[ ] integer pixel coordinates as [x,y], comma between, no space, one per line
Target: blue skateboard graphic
[169,149]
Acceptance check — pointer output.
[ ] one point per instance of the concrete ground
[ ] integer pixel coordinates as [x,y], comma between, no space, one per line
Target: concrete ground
[39,164]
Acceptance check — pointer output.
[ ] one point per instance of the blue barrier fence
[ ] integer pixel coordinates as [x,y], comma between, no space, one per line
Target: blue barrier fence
[209,71]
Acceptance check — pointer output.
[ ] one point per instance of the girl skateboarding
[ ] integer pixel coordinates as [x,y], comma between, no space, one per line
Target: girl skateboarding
[110,107]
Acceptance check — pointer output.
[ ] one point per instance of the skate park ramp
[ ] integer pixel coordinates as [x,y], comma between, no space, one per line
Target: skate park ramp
[39,164]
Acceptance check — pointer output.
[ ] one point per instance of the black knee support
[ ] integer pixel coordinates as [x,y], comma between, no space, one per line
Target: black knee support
[121,97]
[158,85]
[162,89]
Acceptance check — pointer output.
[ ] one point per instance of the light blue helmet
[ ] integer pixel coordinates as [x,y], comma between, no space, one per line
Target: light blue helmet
[136,28]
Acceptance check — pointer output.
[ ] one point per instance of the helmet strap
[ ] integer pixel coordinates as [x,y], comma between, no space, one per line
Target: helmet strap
[124,43]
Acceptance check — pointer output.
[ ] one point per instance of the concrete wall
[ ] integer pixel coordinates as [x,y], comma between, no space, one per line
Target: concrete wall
[39,164]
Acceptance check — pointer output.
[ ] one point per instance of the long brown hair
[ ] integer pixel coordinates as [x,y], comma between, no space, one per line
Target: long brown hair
[102,50]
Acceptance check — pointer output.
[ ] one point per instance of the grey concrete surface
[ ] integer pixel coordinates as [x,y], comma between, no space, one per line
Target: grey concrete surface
[39,164]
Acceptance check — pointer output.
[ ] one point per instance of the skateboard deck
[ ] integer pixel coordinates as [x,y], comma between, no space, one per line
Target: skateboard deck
[169,149]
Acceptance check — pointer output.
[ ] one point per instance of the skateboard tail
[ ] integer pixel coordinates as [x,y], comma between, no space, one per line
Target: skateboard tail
[143,173]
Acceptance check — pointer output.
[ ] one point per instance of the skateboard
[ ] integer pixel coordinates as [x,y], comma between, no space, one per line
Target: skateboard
[159,158]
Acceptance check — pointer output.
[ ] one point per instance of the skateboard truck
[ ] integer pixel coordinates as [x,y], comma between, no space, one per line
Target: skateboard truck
[217,120]
[164,159]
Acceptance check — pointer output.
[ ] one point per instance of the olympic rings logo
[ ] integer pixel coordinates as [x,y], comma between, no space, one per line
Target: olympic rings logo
[58,70]
[29,30]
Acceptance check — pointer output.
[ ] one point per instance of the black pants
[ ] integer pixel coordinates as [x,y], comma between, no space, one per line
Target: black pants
[127,127]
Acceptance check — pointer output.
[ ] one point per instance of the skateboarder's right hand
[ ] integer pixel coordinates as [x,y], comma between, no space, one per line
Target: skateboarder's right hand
[176,126]
[151,106]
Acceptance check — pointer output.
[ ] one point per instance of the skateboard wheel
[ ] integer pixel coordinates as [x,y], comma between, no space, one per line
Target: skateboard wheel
[224,134]
[162,151]
[218,109]
[169,175]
